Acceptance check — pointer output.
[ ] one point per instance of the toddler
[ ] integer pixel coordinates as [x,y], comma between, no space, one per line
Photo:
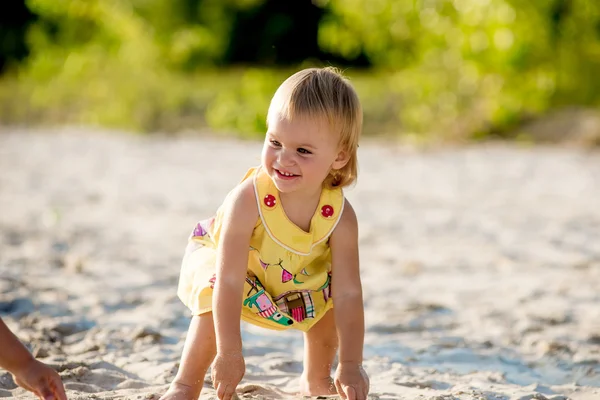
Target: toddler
[282,250]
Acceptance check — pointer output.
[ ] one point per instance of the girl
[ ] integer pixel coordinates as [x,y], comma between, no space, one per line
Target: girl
[283,248]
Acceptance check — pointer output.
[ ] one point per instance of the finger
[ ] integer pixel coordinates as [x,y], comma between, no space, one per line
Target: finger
[350,392]
[59,389]
[229,392]
[225,391]
[45,393]
[362,391]
[220,388]
[339,389]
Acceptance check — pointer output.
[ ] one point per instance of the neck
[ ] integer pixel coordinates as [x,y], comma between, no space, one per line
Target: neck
[305,198]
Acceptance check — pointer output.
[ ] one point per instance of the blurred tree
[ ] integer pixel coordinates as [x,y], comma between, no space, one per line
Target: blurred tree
[575,28]
[275,32]
[190,33]
[458,67]
[15,19]
[491,62]
[196,33]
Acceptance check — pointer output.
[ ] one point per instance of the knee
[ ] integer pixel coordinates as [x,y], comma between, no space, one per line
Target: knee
[330,342]
[325,339]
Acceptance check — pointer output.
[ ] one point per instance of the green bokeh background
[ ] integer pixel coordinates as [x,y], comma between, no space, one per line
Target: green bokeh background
[427,69]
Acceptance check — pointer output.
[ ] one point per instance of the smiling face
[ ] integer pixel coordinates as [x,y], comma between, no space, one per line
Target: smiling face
[298,154]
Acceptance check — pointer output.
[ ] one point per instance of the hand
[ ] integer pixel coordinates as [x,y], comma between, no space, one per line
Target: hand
[227,372]
[351,381]
[42,380]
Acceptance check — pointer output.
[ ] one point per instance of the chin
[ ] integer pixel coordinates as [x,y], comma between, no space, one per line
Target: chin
[285,187]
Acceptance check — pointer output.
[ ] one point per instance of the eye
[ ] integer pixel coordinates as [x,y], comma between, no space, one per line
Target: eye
[275,143]
[304,151]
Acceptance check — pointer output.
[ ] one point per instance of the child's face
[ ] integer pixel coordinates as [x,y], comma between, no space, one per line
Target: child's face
[299,154]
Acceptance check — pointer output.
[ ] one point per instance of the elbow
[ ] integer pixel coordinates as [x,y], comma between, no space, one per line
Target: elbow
[348,296]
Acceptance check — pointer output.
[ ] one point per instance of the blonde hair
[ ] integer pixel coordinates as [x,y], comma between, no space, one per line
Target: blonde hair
[324,93]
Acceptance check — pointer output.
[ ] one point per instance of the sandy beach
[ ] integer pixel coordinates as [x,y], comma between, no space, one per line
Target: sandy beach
[480,265]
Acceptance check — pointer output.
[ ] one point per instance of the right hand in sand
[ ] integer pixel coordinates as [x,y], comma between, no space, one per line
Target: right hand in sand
[227,372]
[351,381]
[40,379]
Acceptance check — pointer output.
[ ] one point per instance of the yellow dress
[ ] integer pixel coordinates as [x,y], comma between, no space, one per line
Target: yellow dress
[289,270]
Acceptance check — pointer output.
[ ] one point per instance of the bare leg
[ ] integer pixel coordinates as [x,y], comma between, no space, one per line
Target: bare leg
[199,351]
[320,346]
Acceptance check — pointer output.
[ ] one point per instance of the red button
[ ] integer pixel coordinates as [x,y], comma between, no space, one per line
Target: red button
[327,211]
[270,200]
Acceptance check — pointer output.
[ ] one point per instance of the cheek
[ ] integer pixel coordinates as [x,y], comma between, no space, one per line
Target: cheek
[321,167]
[266,153]
[313,166]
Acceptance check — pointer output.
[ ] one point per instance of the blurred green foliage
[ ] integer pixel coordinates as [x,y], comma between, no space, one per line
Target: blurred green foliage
[451,69]
[467,67]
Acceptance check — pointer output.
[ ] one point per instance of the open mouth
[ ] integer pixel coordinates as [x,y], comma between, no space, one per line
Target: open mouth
[285,175]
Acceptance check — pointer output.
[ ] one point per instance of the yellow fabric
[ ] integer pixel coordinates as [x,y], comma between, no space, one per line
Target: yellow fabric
[288,279]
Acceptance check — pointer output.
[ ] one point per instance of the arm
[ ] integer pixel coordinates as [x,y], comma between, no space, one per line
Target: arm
[14,356]
[351,380]
[28,373]
[347,288]
[239,219]
[240,216]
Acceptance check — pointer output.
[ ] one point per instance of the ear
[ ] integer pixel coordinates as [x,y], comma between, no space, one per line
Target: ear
[341,160]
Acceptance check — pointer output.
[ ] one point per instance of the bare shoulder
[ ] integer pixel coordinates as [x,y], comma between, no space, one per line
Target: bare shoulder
[346,231]
[240,206]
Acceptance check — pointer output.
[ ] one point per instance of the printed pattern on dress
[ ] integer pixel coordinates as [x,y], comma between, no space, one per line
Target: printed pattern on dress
[286,275]
[299,305]
[202,227]
[264,306]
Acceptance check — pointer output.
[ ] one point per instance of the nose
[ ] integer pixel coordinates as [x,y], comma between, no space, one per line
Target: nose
[285,158]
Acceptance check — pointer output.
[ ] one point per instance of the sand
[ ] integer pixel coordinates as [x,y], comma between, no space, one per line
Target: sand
[480,265]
